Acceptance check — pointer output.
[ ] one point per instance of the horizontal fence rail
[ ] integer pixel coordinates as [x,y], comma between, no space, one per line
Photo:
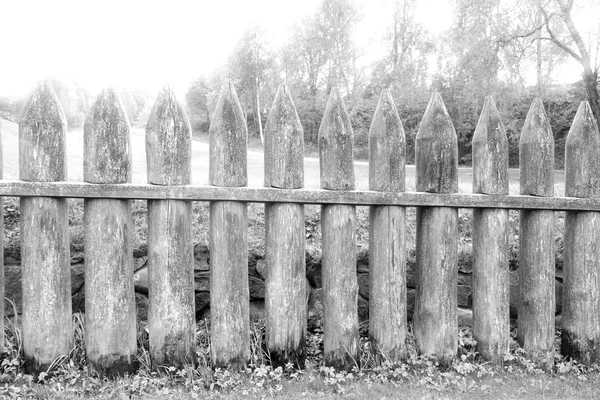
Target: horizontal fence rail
[83,190]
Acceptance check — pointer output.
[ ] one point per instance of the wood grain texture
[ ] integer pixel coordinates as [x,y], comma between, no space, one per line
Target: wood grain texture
[436,277]
[336,145]
[172,310]
[436,150]
[229,292]
[285,280]
[536,240]
[338,228]
[580,335]
[171,314]
[387,148]
[340,287]
[491,319]
[387,283]
[109,292]
[387,270]
[168,141]
[537,302]
[436,270]
[228,141]
[42,137]
[106,142]
[536,153]
[284,144]
[46,282]
[111,341]
[490,152]
[285,283]
[303,196]
[46,274]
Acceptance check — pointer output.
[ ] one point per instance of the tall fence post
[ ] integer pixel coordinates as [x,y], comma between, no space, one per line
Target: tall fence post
[387,260]
[436,275]
[2,275]
[581,284]
[285,283]
[171,314]
[229,292]
[338,227]
[109,293]
[491,319]
[536,240]
[46,267]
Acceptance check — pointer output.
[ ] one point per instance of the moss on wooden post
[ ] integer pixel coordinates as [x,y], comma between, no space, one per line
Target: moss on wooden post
[171,314]
[387,259]
[581,283]
[536,240]
[229,293]
[285,281]
[436,159]
[111,337]
[338,227]
[46,274]
[491,319]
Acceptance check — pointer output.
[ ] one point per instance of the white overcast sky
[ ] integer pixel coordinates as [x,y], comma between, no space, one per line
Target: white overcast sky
[145,44]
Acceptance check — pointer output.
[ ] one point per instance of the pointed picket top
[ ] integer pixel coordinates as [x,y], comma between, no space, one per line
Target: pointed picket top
[284,143]
[387,147]
[336,145]
[436,150]
[42,137]
[228,141]
[536,153]
[490,152]
[168,141]
[582,165]
[107,144]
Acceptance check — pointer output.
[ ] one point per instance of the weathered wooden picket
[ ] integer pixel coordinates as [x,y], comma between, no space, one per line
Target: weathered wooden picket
[110,306]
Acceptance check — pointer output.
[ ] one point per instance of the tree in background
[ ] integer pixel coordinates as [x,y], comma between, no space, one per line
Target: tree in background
[404,68]
[321,54]
[573,44]
[196,98]
[248,67]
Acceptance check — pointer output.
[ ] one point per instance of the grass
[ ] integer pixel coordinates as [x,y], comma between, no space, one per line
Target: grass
[415,378]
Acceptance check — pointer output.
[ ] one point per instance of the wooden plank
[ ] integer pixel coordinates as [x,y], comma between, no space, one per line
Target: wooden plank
[536,240]
[109,293]
[436,159]
[284,144]
[229,293]
[491,319]
[45,263]
[338,227]
[580,336]
[304,196]
[336,145]
[285,281]
[387,269]
[171,314]
[2,275]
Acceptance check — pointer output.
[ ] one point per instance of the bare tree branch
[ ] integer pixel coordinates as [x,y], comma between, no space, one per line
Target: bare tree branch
[555,40]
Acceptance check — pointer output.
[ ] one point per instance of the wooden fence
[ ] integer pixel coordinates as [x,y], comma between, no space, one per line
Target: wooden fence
[109,301]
